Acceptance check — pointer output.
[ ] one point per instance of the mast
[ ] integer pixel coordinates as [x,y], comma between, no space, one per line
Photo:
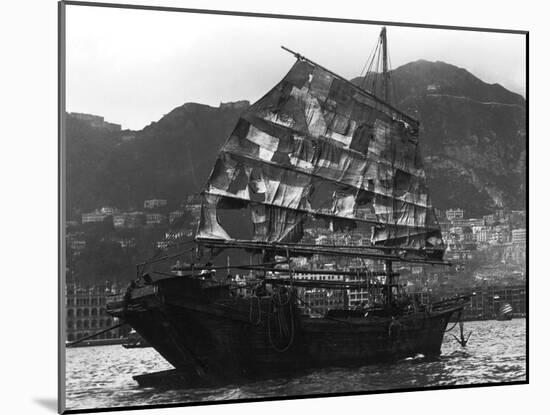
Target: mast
[385,89]
[389,281]
[385,73]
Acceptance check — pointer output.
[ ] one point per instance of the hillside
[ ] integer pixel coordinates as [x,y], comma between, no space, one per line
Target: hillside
[473,140]
[168,159]
[472,135]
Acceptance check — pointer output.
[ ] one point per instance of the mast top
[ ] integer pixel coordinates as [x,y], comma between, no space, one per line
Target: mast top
[385,72]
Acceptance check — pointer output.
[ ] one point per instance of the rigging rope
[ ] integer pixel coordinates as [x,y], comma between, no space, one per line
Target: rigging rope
[369,74]
[364,71]
[456,322]
[258,321]
[278,306]
[394,88]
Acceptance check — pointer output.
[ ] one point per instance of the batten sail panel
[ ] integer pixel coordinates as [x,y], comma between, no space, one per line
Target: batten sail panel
[317,145]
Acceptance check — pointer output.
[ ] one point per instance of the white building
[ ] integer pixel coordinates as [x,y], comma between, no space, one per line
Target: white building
[93,217]
[454,214]
[154,219]
[154,203]
[519,236]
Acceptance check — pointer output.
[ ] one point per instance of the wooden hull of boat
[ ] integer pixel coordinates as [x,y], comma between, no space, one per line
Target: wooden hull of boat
[208,335]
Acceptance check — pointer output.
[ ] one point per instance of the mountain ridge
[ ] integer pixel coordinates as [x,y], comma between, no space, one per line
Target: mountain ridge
[472,137]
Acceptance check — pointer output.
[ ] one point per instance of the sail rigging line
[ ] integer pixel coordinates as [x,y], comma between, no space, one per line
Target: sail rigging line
[370,78]
[116,326]
[364,71]
[334,246]
[199,267]
[281,247]
[365,79]
[372,71]
[297,249]
[375,69]
[392,79]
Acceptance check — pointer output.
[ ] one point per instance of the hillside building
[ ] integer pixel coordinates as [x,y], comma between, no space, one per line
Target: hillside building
[93,217]
[155,203]
[452,214]
[86,312]
[519,236]
[96,121]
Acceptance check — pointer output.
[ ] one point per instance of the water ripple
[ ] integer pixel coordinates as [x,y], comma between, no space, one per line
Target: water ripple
[100,377]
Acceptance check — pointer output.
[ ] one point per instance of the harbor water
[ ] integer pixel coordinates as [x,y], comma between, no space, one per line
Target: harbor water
[101,376]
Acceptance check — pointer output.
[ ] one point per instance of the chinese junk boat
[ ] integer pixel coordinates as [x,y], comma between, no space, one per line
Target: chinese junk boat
[318,171]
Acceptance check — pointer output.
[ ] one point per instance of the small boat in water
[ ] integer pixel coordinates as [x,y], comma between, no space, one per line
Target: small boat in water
[505,312]
[135,341]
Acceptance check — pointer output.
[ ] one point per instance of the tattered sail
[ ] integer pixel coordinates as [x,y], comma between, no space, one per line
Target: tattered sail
[317,147]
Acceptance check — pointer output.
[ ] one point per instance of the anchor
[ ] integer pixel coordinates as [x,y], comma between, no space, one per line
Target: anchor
[462,341]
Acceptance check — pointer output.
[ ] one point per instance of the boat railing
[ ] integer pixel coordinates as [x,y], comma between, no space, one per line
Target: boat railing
[114,298]
[449,302]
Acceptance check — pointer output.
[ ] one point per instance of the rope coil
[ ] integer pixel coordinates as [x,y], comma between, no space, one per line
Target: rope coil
[276,310]
[257,321]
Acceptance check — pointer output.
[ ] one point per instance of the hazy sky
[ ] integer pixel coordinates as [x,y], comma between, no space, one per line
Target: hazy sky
[134,66]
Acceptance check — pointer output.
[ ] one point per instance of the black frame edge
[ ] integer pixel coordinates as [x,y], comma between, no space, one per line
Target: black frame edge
[61,392]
